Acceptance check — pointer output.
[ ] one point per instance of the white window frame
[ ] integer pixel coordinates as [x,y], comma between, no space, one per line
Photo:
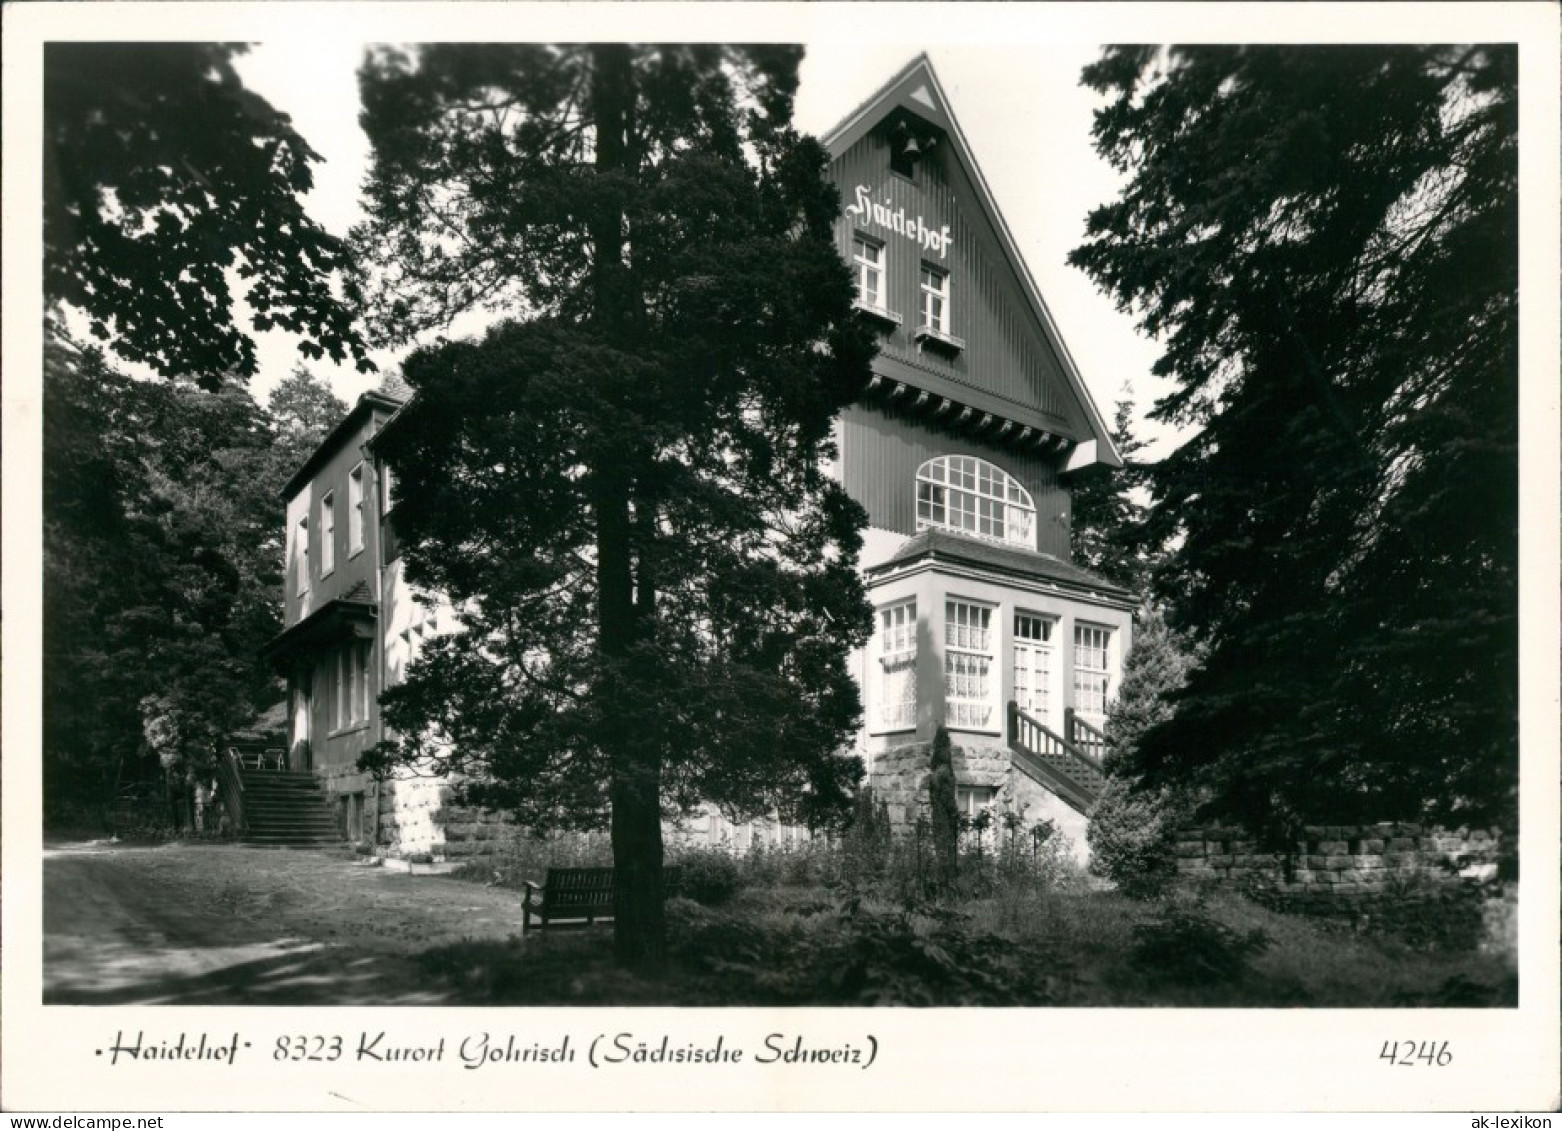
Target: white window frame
[355,511]
[350,685]
[1043,645]
[972,799]
[301,558]
[386,499]
[875,267]
[970,496]
[327,533]
[934,300]
[897,672]
[1092,682]
[970,665]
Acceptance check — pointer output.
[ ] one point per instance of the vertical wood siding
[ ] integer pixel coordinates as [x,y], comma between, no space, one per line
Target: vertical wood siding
[880,455]
[1006,353]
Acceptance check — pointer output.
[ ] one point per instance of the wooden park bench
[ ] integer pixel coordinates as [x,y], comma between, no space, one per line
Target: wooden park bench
[577,894]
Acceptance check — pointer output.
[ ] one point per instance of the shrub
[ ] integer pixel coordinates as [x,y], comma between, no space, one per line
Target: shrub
[1185,945]
[1130,838]
[710,875]
[528,857]
[854,953]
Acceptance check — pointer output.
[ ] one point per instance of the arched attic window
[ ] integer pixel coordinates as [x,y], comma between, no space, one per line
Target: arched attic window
[970,496]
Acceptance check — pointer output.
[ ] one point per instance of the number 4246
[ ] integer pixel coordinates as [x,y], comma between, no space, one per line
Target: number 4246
[1407,1054]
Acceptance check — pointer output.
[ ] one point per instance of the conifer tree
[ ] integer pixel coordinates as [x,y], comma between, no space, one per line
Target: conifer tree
[621,485]
[1325,239]
[945,809]
[1107,530]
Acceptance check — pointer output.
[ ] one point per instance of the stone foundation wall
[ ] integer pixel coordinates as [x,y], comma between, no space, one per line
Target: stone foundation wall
[1412,880]
[900,777]
[416,816]
[899,782]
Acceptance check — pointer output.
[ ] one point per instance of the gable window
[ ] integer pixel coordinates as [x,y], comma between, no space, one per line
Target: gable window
[935,300]
[301,560]
[898,666]
[1092,672]
[971,496]
[355,511]
[328,533]
[968,665]
[868,263]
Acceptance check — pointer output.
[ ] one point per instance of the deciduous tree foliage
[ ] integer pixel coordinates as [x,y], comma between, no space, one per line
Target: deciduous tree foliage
[622,487]
[162,173]
[162,561]
[1325,239]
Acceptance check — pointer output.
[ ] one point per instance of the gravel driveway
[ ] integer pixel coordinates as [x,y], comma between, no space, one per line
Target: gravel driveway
[203,924]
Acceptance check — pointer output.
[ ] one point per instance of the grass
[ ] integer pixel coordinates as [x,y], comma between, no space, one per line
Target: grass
[856,924]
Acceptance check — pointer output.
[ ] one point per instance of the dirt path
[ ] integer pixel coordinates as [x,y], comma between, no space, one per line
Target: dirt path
[231,925]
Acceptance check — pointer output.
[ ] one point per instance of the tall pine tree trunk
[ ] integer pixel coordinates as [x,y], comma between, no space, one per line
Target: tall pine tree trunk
[630,739]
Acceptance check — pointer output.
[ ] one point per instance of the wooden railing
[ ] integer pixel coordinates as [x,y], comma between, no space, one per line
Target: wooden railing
[1074,774]
[231,783]
[1084,737]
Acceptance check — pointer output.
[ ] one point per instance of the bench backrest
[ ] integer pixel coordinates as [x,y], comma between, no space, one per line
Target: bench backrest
[566,889]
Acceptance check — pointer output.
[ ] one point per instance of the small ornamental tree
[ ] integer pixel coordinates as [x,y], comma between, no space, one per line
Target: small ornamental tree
[622,487]
[945,809]
[1133,823]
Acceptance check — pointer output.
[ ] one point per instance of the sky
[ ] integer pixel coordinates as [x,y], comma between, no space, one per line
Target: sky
[1019,103]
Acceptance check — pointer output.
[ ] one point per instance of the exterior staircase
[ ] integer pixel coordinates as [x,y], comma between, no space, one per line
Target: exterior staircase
[1060,765]
[285,809]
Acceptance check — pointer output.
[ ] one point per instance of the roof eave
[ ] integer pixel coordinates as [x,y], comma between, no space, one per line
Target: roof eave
[366,404]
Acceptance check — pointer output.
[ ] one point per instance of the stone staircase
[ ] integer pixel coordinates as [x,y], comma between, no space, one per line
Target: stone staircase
[287,810]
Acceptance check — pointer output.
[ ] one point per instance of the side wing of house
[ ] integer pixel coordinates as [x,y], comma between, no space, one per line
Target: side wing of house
[962,451]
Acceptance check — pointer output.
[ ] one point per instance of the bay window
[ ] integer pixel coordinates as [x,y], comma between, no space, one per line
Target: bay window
[1092,672]
[898,666]
[1033,666]
[969,687]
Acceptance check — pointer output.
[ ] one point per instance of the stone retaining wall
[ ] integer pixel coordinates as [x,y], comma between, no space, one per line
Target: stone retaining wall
[1421,883]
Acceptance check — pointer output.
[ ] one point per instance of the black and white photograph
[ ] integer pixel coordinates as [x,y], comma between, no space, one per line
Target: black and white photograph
[725,557]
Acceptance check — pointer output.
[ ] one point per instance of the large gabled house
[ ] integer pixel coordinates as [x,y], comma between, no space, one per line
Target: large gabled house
[962,451]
